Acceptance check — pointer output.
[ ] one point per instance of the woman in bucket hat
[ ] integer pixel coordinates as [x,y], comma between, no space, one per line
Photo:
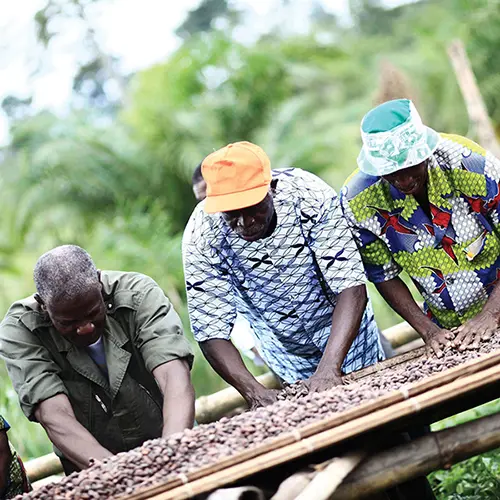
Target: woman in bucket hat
[428,204]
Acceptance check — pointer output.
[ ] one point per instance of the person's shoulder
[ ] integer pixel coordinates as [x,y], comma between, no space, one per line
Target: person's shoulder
[297,184]
[20,308]
[459,143]
[202,228]
[117,282]
[24,315]
[297,176]
[460,155]
[358,183]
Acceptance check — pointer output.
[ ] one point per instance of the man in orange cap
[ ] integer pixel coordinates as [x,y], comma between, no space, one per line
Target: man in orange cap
[273,246]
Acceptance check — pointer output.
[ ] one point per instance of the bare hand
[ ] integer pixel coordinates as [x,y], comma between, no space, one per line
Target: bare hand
[262,398]
[323,381]
[481,327]
[437,340]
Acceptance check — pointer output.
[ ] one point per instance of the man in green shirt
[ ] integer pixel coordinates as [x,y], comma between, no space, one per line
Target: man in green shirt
[98,358]
[13,478]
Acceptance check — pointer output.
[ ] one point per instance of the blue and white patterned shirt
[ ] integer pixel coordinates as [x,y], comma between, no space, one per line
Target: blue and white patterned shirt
[275,283]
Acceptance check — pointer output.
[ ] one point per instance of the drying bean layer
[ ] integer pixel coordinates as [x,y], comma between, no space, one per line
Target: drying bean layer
[161,460]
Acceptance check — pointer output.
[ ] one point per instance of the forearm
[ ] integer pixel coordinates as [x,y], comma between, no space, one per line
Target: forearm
[226,361]
[5,458]
[492,305]
[346,319]
[398,296]
[175,384]
[178,413]
[67,434]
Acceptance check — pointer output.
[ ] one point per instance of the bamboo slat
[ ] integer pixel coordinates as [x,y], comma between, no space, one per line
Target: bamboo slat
[384,365]
[431,391]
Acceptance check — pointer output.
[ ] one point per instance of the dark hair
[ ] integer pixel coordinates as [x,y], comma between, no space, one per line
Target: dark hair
[197,175]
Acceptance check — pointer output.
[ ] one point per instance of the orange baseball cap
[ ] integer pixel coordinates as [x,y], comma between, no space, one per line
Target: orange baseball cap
[237,176]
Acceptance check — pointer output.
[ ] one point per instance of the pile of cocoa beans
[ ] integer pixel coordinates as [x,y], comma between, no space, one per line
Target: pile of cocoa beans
[161,460]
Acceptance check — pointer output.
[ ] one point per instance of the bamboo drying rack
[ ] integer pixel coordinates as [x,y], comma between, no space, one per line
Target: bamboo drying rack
[407,401]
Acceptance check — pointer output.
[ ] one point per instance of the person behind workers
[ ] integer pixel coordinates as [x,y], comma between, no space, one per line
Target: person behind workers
[98,358]
[13,478]
[199,185]
[274,246]
[241,335]
[428,204]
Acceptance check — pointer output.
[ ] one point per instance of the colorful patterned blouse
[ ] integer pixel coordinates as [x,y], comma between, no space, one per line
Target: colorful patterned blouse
[454,257]
[17,481]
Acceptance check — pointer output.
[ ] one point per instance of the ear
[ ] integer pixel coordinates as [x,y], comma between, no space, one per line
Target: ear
[99,278]
[40,301]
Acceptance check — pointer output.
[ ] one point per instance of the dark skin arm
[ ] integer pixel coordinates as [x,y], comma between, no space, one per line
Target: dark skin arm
[399,297]
[75,442]
[5,458]
[346,319]
[226,361]
[174,380]
[482,326]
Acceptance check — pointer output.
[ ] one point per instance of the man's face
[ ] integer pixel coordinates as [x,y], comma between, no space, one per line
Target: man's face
[251,223]
[411,180]
[80,321]
[200,190]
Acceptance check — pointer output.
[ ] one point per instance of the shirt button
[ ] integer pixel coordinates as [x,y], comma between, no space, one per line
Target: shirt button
[110,306]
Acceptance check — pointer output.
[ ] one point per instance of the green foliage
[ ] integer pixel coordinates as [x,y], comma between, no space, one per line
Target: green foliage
[117,182]
[201,19]
[477,478]
[473,479]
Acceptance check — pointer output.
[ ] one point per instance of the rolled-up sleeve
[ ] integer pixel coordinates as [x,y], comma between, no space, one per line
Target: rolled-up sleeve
[377,259]
[34,374]
[159,333]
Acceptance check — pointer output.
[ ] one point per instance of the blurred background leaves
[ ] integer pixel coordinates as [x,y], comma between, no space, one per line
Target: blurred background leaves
[112,173]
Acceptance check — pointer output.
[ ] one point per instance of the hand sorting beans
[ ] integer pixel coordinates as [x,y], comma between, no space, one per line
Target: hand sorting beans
[159,460]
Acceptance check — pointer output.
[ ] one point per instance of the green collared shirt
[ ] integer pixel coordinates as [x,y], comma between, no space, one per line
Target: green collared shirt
[140,319]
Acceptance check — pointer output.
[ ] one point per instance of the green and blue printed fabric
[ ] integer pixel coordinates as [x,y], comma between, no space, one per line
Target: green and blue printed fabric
[453,257]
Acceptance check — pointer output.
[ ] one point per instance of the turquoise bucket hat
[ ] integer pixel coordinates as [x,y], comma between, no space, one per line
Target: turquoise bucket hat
[394,138]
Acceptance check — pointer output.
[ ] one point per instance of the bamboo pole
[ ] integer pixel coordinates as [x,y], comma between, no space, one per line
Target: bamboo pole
[229,471]
[292,486]
[437,450]
[476,109]
[325,482]
[212,407]
[400,334]
[42,467]
[410,346]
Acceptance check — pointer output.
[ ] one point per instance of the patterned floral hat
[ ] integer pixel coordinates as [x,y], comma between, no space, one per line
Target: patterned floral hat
[394,138]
